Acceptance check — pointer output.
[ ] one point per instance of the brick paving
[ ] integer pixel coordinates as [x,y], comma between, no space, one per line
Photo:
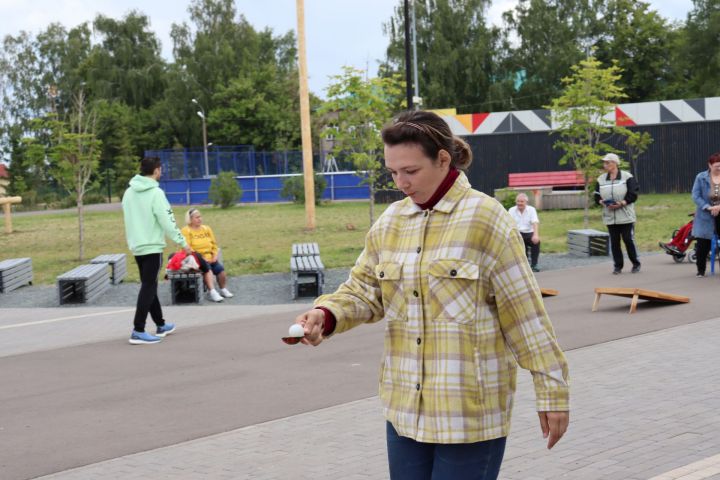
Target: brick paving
[643,407]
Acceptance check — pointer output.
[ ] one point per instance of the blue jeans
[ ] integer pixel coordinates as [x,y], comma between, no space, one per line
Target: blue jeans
[411,460]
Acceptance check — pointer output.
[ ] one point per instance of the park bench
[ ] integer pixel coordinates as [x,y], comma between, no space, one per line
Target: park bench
[550,189]
[185,287]
[588,242]
[118,265]
[14,273]
[307,272]
[83,284]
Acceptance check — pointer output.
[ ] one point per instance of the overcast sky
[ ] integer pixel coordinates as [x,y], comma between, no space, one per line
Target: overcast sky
[338,32]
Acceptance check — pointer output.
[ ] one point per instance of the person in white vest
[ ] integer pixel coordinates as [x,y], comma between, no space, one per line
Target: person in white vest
[617,191]
[528,225]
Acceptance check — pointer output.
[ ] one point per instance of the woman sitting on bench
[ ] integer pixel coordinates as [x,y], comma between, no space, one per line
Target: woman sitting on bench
[202,240]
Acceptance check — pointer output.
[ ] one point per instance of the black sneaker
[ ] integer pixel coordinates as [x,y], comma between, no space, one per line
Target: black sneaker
[635,269]
[700,275]
[535,268]
[617,271]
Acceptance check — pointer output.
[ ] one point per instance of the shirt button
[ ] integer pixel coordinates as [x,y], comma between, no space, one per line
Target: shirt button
[453,273]
[382,274]
[418,249]
[415,293]
[419,341]
[417,387]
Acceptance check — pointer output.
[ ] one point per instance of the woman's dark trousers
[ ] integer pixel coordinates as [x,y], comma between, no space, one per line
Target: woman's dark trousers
[626,231]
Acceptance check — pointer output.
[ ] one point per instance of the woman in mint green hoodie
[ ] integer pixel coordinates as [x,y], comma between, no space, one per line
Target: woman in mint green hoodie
[148,219]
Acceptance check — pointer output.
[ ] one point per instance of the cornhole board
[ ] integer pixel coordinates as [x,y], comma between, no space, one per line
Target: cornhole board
[548,292]
[638,293]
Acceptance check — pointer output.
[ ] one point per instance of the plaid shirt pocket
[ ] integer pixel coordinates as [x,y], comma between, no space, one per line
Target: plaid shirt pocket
[389,275]
[453,289]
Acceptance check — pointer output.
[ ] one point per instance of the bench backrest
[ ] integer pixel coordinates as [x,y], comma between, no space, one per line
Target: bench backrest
[546,179]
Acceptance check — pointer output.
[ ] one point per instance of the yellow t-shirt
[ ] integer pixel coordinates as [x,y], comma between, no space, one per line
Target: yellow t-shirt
[201,240]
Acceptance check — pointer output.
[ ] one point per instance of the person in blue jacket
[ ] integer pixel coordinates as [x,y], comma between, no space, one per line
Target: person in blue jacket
[706,195]
[148,219]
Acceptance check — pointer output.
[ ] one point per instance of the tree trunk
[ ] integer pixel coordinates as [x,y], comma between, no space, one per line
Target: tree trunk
[371,184]
[586,214]
[81,225]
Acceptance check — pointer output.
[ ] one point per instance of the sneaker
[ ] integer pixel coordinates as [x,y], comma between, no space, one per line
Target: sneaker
[534,268]
[143,338]
[700,275]
[215,296]
[635,269]
[166,329]
[226,293]
[617,271]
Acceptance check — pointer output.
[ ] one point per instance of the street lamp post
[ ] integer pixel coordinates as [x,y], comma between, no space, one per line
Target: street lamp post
[201,114]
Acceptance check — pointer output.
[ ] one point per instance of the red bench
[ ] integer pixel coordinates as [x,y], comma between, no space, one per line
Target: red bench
[568,178]
[545,182]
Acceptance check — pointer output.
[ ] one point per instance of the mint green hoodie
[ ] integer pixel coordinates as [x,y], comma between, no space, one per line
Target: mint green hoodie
[148,217]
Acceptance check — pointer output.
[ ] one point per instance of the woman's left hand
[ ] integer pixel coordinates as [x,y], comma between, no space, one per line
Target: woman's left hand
[553,425]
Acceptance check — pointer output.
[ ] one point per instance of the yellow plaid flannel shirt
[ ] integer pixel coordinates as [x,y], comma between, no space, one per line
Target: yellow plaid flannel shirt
[462,309]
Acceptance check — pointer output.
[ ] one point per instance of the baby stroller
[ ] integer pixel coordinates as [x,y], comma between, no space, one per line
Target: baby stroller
[680,242]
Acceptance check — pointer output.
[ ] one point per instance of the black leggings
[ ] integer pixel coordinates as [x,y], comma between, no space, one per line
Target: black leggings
[626,231]
[149,266]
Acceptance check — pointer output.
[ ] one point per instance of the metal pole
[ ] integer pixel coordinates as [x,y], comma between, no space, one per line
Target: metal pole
[414,48]
[408,79]
[305,121]
[205,152]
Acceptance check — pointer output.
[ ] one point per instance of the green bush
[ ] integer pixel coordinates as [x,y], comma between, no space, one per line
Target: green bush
[294,188]
[224,190]
[506,197]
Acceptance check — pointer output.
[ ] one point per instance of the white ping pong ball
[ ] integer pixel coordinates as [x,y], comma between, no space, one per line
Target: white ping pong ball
[296,330]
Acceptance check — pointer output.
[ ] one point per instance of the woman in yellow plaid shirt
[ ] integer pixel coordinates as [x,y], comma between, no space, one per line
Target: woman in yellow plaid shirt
[445,268]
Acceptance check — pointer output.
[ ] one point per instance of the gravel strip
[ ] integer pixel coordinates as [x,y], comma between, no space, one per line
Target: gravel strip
[264,289]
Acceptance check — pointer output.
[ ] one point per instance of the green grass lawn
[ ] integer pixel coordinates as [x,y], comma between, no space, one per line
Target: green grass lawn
[257,238]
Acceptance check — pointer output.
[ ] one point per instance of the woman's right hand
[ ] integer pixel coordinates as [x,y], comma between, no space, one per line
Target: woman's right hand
[313,322]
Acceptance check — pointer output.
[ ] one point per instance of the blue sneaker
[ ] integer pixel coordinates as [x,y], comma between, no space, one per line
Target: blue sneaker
[166,329]
[143,338]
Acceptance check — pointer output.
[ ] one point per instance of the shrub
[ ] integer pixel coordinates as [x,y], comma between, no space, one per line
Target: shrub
[294,188]
[224,190]
[506,197]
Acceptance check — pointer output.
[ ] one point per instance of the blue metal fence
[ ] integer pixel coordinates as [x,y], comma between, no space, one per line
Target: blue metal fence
[264,188]
[187,163]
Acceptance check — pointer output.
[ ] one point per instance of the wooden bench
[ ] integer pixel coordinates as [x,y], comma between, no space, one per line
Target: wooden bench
[14,273]
[118,265]
[588,242]
[83,284]
[567,178]
[544,186]
[185,287]
[638,293]
[307,271]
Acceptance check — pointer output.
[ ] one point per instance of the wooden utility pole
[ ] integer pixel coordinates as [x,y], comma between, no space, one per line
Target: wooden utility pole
[308,173]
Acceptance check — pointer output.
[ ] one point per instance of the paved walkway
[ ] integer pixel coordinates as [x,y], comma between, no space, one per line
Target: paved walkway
[644,407]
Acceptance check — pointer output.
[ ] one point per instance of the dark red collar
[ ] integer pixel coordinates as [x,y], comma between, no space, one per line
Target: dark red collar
[444,187]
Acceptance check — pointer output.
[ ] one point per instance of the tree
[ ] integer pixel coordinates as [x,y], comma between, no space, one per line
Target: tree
[581,115]
[77,155]
[355,111]
[454,50]
[639,39]
[700,47]
[636,143]
[552,35]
